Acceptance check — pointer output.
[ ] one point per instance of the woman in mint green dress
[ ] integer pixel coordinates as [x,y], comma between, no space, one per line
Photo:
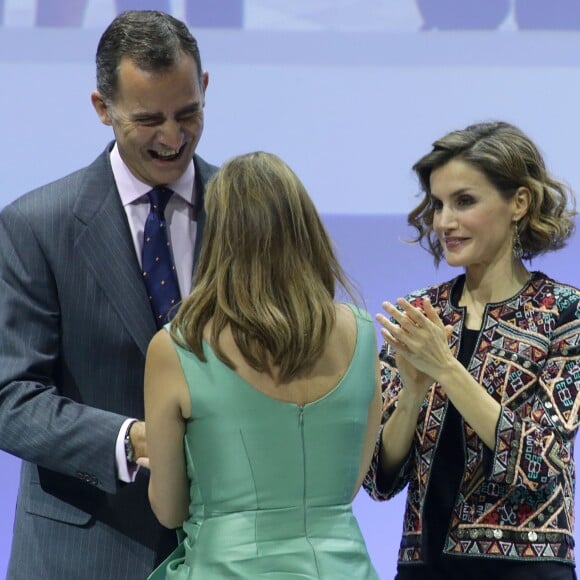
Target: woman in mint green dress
[262,397]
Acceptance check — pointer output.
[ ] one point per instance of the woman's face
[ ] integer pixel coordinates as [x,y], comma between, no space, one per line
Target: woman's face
[471,219]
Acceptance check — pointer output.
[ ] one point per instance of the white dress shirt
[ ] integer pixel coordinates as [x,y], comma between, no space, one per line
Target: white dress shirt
[179,215]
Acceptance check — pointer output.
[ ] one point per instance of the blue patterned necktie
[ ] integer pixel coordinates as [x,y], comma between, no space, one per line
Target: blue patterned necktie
[157,261]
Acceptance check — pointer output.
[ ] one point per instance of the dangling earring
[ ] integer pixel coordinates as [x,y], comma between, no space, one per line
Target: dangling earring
[517,249]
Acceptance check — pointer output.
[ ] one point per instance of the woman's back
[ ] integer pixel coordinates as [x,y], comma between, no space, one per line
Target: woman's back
[313,383]
[273,469]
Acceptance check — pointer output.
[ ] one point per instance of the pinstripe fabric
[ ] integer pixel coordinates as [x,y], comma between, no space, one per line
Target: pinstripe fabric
[75,322]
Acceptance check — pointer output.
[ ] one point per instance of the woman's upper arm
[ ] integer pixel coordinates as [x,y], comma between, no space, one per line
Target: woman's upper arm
[166,402]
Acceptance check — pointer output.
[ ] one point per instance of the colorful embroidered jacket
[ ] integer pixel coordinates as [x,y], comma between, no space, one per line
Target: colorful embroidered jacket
[516,501]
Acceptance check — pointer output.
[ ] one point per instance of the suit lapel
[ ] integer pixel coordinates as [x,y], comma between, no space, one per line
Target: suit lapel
[105,242]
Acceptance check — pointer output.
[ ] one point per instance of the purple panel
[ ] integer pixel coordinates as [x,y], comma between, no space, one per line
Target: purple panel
[10,470]
[215,13]
[555,15]
[63,13]
[60,13]
[463,14]
[123,5]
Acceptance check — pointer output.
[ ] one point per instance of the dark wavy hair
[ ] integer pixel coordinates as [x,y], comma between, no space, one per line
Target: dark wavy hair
[509,159]
[152,40]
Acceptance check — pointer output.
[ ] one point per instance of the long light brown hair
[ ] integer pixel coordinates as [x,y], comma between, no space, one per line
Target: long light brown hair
[267,270]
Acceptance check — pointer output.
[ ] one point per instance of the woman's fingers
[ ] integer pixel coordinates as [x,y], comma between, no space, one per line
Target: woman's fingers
[408,325]
[405,318]
[393,334]
[431,313]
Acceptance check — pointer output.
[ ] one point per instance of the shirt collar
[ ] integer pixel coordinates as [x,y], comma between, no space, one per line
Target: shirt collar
[131,189]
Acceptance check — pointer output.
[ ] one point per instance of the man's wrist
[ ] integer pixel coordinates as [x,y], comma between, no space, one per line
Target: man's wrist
[129,449]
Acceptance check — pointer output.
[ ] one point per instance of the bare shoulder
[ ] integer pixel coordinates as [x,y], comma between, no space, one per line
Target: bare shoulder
[162,356]
[350,319]
[347,315]
[345,330]
[161,345]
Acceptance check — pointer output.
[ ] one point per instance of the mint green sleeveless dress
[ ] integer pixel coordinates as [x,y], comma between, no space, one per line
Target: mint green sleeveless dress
[271,482]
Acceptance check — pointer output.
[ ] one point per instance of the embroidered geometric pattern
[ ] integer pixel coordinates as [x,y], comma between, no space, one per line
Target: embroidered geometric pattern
[157,260]
[516,501]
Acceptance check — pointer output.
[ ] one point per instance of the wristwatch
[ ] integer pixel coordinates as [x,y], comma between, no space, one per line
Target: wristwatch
[129,451]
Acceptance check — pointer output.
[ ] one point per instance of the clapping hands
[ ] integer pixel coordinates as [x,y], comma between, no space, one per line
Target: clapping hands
[419,340]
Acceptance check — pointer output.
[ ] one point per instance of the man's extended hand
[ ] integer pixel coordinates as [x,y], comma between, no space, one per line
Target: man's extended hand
[139,443]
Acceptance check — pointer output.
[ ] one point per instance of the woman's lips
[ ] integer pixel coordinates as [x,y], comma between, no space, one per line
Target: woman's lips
[452,243]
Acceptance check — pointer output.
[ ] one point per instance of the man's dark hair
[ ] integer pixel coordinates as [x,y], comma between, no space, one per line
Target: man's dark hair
[152,40]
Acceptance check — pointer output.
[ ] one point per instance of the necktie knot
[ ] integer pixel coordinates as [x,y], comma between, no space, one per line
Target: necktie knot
[158,198]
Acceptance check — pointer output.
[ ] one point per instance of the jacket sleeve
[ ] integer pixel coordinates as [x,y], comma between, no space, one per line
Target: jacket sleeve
[374,483]
[534,442]
[37,423]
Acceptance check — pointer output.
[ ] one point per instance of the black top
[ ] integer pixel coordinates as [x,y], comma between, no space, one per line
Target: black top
[448,467]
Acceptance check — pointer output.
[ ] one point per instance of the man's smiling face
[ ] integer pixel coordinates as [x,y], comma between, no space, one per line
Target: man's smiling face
[157,118]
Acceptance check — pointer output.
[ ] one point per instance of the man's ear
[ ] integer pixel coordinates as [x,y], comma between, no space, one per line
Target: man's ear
[101,108]
[203,83]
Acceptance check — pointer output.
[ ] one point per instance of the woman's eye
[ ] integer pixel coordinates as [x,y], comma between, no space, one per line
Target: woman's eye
[465,200]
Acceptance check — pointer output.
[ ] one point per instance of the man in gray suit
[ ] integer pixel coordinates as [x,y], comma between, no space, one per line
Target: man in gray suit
[75,316]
